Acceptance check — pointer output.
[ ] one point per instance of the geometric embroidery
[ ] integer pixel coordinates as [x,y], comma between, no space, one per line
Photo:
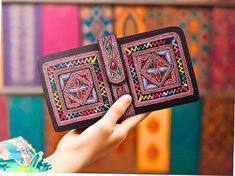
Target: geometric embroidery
[78,87]
[112,60]
[158,69]
[79,90]
[118,91]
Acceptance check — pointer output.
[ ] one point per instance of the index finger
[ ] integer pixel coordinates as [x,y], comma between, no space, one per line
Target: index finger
[116,110]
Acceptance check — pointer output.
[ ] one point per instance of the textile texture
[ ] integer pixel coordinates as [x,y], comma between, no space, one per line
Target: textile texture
[222,43]
[185,138]
[153,143]
[59,28]
[216,154]
[96,22]
[17,155]
[21,44]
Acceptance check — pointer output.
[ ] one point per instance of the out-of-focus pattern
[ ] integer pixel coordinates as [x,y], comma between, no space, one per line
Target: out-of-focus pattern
[222,76]
[1,59]
[26,119]
[216,156]
[121,160]
[59,28]
[185,135]
[195,23]
[17,155]
[3,118]
[153,142]
[129,20]
[51,138]
[96,21]
[21,44]
[160,17]
[17,149]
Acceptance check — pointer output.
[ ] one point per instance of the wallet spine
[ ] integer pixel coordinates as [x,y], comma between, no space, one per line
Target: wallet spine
[114,68]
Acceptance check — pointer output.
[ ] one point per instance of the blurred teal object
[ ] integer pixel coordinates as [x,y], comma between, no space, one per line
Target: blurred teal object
[185,138]
[26,119]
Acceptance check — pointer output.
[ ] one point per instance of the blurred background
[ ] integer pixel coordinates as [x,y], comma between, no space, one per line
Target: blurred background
[195,138]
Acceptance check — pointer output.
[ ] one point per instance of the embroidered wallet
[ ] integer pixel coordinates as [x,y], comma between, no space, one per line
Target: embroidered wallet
[154,67]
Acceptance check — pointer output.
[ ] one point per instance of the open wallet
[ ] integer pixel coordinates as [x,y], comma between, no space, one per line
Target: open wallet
[154,67]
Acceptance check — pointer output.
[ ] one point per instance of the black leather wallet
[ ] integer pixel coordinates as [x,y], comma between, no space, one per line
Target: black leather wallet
[154,67]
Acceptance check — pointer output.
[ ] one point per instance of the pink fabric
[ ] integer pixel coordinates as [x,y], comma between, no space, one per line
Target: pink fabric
[59,28]
[3,119]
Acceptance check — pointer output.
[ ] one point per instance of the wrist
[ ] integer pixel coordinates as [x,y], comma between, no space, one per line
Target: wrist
[66,161]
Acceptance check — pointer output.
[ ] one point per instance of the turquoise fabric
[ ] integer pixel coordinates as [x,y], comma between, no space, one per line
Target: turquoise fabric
[26,118]
[17,155]
[185,138]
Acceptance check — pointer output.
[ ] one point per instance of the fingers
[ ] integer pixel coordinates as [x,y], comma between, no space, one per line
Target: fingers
[131,122]
[122,130]
[116,111]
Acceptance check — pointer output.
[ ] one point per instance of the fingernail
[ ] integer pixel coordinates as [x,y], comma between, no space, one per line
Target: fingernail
[127,98]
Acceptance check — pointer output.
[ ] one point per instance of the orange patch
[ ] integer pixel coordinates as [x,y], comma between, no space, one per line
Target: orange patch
[193,48]
[193,25]
[196,70]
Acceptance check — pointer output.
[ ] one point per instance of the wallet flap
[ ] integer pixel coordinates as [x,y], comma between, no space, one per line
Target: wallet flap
[112,59]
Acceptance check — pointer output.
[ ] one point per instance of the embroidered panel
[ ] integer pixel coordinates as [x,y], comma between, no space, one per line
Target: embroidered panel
[78,87]
[158,69]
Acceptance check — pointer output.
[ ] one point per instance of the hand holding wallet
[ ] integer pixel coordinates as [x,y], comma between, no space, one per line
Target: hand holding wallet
[154,67]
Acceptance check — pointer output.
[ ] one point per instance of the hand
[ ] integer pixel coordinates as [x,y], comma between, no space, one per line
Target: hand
[76,151]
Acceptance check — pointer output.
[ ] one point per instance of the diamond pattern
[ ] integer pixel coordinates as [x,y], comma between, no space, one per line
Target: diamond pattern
[156,69]
[79,88]
[109,47]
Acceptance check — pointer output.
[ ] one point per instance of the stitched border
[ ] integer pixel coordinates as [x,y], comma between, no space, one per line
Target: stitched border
[49,68]
[184,90]
[96,86]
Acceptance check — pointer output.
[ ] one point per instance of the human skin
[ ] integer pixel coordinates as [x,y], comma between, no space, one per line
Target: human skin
[75,151]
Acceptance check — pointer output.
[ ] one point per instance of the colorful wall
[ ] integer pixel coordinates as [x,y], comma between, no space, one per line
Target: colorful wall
[195,138]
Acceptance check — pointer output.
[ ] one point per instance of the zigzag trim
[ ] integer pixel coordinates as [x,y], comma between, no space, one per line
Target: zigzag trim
[57,101]
[183,88]
[145,46]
